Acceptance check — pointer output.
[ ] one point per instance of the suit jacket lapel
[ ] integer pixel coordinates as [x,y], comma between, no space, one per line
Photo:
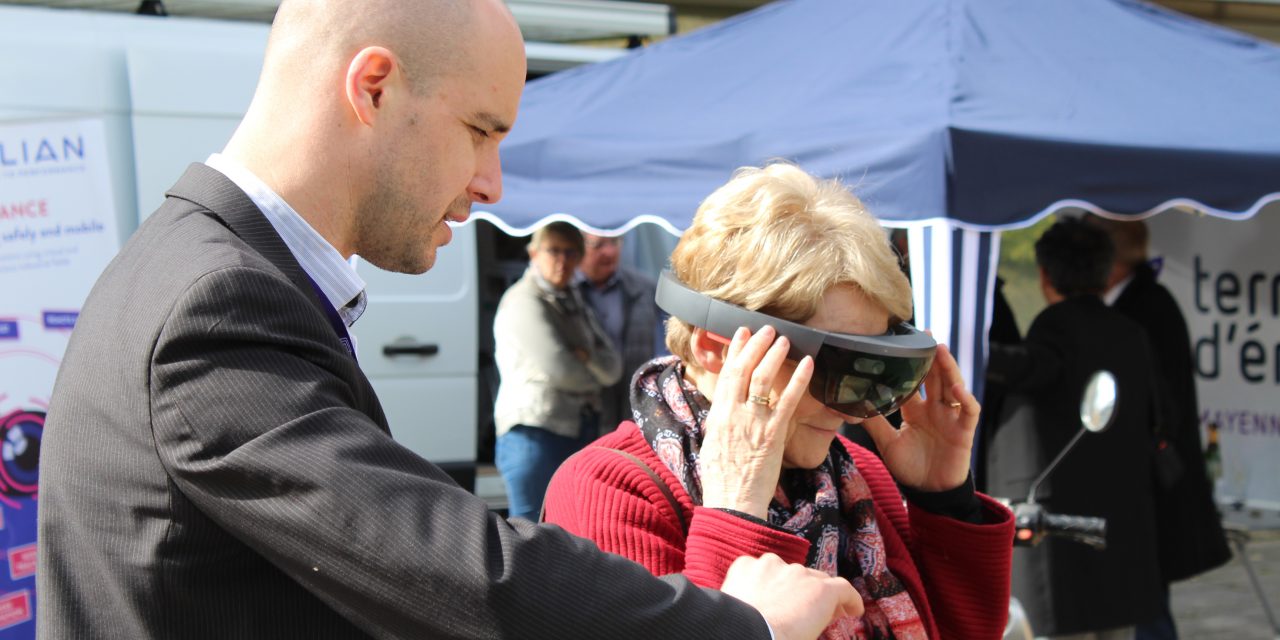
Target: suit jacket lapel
[208,188]
[216,193]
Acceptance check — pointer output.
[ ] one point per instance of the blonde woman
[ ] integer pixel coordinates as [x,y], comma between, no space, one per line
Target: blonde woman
[788,310]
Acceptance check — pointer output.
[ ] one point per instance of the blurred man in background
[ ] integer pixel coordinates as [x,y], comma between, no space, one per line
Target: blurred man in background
[1190,528]
[1072,591]
[622,300]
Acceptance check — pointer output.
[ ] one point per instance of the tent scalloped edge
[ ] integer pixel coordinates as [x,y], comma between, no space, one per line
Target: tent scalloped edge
[634,222]
[1185,204]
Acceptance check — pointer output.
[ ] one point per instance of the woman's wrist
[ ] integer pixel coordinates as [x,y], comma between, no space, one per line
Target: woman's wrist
[735,501]
[960,503]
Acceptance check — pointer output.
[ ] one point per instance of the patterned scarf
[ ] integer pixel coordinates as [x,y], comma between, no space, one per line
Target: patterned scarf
[829,506]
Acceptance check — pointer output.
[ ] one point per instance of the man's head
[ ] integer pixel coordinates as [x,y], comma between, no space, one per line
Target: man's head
[600,261]
[379,120]
[1074,258]
[1130,239]
[555,250]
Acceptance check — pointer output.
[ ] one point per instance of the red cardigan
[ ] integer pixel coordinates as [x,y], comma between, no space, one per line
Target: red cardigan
[956,573]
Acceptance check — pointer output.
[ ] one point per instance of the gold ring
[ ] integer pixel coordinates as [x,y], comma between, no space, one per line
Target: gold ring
[758,399]
[956,405]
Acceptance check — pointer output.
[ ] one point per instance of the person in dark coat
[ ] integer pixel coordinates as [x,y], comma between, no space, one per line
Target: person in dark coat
[1071,590]
[1190,527]
[1003,330]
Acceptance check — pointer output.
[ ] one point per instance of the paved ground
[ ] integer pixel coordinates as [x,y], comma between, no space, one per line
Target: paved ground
[1223,603]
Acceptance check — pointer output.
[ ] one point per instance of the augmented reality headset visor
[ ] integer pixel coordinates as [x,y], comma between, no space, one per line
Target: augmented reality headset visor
[858,376]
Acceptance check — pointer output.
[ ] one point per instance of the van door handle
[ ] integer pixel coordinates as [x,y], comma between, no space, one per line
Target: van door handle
[410,349]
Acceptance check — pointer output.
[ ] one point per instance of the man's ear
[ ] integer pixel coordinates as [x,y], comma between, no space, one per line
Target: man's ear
[1051,294]
[369,75]
[707,352]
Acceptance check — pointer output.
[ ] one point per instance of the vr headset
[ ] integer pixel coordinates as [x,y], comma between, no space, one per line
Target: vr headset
[859,376]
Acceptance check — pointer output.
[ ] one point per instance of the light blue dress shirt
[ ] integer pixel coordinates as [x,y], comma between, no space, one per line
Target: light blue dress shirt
[335,276]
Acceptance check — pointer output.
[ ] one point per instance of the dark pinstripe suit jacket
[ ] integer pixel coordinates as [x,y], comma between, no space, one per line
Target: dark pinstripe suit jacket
[215,465]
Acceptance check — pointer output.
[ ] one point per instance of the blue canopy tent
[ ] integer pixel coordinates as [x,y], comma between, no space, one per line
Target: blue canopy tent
[952,118]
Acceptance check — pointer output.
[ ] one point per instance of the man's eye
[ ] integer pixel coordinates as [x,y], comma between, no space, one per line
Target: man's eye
[478,131]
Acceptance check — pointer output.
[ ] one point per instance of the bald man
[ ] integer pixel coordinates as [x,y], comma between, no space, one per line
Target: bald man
[215,464]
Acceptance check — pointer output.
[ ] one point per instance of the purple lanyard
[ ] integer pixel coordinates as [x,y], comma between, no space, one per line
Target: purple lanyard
[339,327]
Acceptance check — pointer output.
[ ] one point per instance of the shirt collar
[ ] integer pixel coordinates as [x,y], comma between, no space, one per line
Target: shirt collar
[1113,293]
[581,280]
[336,277]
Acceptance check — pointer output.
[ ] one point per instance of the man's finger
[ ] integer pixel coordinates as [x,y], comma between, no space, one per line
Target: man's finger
[849,601]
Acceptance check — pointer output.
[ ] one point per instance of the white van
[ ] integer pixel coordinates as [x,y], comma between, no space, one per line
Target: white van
[170,91]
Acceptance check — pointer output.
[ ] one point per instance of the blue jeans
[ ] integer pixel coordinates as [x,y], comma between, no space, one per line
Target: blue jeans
[527,457]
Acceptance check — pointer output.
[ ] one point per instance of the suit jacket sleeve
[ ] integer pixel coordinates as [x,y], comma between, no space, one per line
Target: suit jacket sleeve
[257,427]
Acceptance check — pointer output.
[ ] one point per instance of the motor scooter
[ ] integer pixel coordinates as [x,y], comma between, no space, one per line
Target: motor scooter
[1033,523]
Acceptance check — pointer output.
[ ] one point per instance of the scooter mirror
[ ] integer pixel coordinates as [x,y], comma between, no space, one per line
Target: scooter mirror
[1097,410]
[1098,406]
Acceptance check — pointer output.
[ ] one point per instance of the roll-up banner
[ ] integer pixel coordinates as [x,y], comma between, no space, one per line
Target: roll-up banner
[57,233]
[1225,275]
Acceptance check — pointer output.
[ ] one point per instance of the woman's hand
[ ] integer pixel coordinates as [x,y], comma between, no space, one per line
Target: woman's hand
[742,447]
[930,452]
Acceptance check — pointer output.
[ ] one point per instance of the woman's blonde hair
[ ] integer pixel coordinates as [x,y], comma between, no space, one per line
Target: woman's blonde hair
[775,239]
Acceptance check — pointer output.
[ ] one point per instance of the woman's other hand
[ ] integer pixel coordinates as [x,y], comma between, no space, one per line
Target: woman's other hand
[931,451]
[745,431]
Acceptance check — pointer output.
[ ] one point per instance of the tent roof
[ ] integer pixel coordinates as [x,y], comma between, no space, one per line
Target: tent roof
[990,112]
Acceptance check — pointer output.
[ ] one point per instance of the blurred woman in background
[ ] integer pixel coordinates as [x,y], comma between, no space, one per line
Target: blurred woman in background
[553,359]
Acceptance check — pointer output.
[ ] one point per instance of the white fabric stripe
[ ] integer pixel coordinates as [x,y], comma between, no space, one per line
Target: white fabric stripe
[966,309]
[918,255]
[939,276]
[988,296]
[932,280]
[335,276]
[929,249]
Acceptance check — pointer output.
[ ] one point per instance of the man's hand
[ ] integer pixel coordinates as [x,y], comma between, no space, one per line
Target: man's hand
[798,602]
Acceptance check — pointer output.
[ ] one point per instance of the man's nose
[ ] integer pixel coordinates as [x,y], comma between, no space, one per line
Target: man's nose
[486,184]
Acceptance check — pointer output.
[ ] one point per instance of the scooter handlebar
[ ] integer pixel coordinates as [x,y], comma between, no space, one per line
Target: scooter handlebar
[1032,523]
[1089,530]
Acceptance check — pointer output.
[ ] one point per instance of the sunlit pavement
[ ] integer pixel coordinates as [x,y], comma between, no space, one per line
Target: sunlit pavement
[1223,603]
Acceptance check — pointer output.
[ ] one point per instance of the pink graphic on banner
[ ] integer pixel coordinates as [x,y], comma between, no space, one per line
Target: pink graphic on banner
[15,608]
[22,561]
[20,435]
